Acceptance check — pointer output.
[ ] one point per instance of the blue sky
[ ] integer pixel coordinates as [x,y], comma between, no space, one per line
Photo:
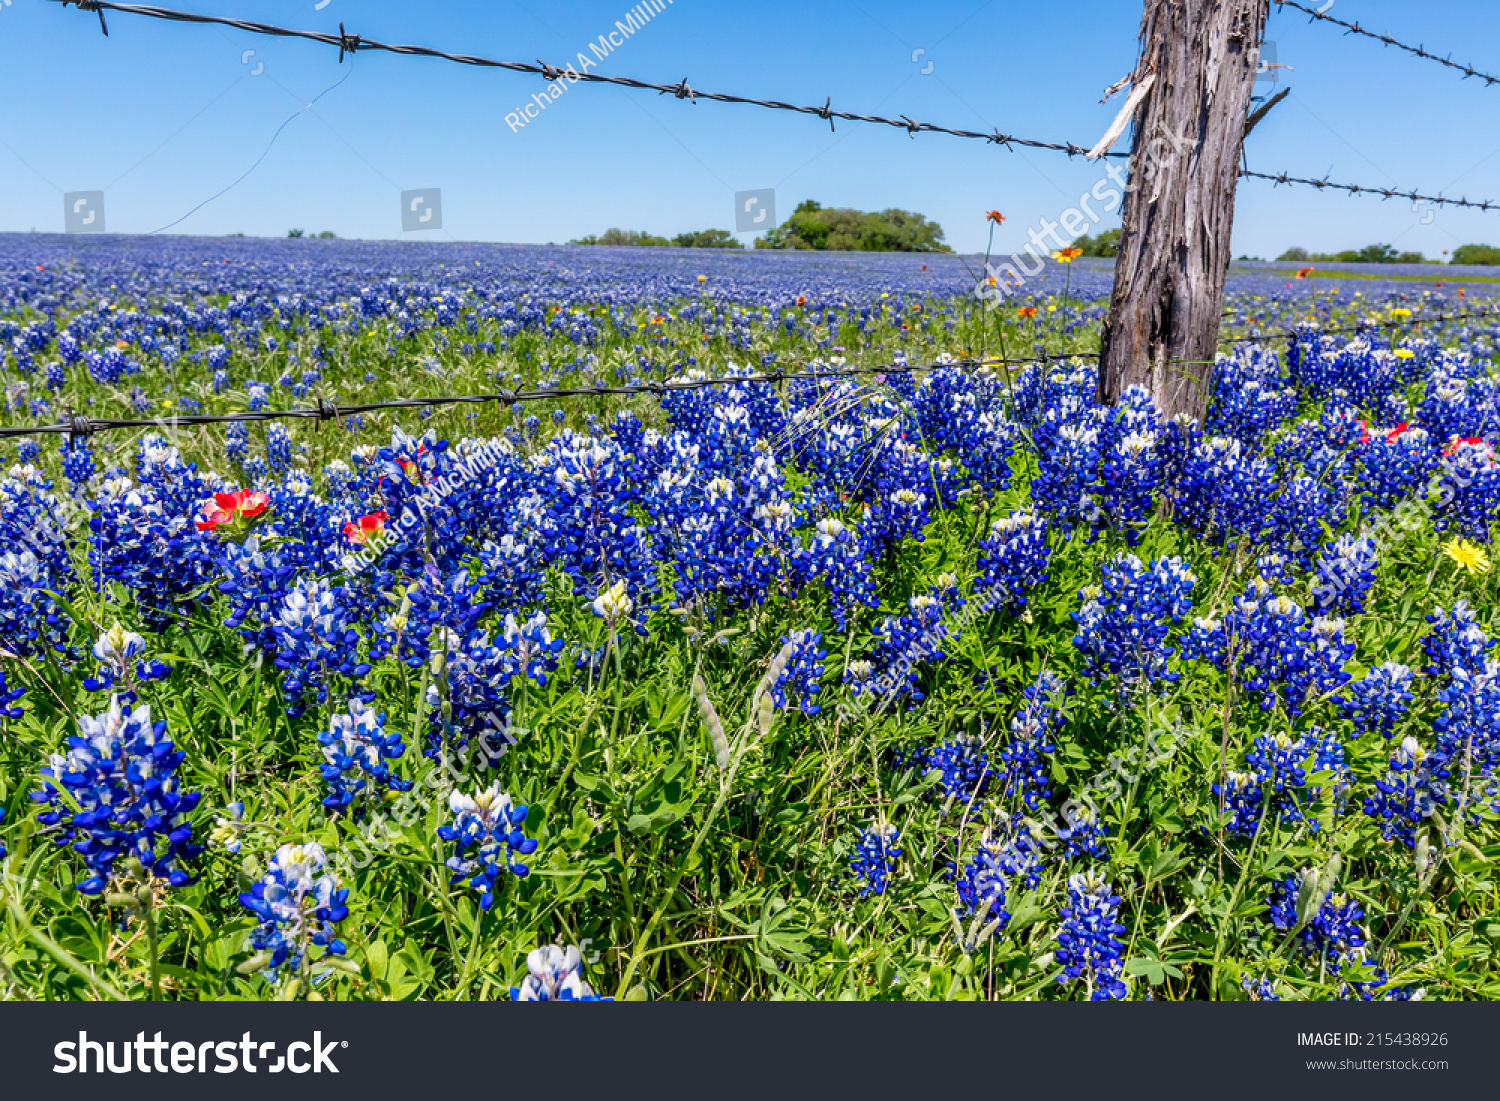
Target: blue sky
[161,116]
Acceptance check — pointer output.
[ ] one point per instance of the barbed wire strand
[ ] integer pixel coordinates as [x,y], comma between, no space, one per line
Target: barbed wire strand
[1360,189]
[78,426]
[1416,51]
[353,43]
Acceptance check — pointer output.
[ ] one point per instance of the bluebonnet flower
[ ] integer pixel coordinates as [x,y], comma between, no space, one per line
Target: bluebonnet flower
[1395,465]
[489,824]
[1409,795]
[964,765]
[1467,748]
[1377,988]
[1066,485]
[469,701]
[1456,641]
[115,648]
[120,771]
[1124,622]
[1249,396]
[509,573]
[802,673]
[78,464]
[1380,699]
[1084,835]
[1345,571]
[299,903]
[556,975]
[875,859]
[982,887]
[1262,989]
[1299,517]
[1280,657]
[1332,932]
[1012,561]
[143,536]
[228,833]
[1023,759]
[1133,464]
[355,752]
[1088,941]
[1222,491]
[1276,776]
[237,443]
[257,581]
[839,558]
[8,698]
[1469,490]
[902,643]
[36,568]
[586,523]
[315,641]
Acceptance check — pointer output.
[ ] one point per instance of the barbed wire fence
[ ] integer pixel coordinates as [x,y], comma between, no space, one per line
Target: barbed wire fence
[77,426]
[347,43]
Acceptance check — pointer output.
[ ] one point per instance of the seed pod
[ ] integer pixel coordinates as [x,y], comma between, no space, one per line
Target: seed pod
[711,720]
[255,963]
[773,674]
[1310,896]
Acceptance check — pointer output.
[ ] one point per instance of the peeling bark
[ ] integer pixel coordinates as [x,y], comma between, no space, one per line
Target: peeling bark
[1163,324]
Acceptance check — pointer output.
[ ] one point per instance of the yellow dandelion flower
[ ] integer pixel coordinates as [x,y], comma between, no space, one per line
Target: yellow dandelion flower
[1471,557]
[1405,353]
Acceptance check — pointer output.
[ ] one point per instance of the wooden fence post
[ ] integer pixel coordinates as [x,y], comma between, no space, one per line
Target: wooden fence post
[1163,324]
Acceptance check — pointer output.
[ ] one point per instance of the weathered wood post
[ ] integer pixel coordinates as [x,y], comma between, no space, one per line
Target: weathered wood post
[1163,324]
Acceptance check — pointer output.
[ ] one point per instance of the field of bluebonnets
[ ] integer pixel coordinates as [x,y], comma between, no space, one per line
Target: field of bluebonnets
[933,683]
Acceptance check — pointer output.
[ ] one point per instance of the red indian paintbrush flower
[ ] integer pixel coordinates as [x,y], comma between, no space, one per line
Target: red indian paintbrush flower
[996,217]
[232,509]
[361,530]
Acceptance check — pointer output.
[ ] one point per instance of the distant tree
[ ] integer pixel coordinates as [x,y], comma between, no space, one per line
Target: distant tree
[1377,254]
[235,235]
[326,235]
[812,226]
[707,238]
[1370,254]
[1487,255]
[1105,244]
[294,233]
[618,237]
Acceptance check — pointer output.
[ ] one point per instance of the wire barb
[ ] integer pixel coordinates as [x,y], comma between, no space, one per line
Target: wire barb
[93,6]
[348,43]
